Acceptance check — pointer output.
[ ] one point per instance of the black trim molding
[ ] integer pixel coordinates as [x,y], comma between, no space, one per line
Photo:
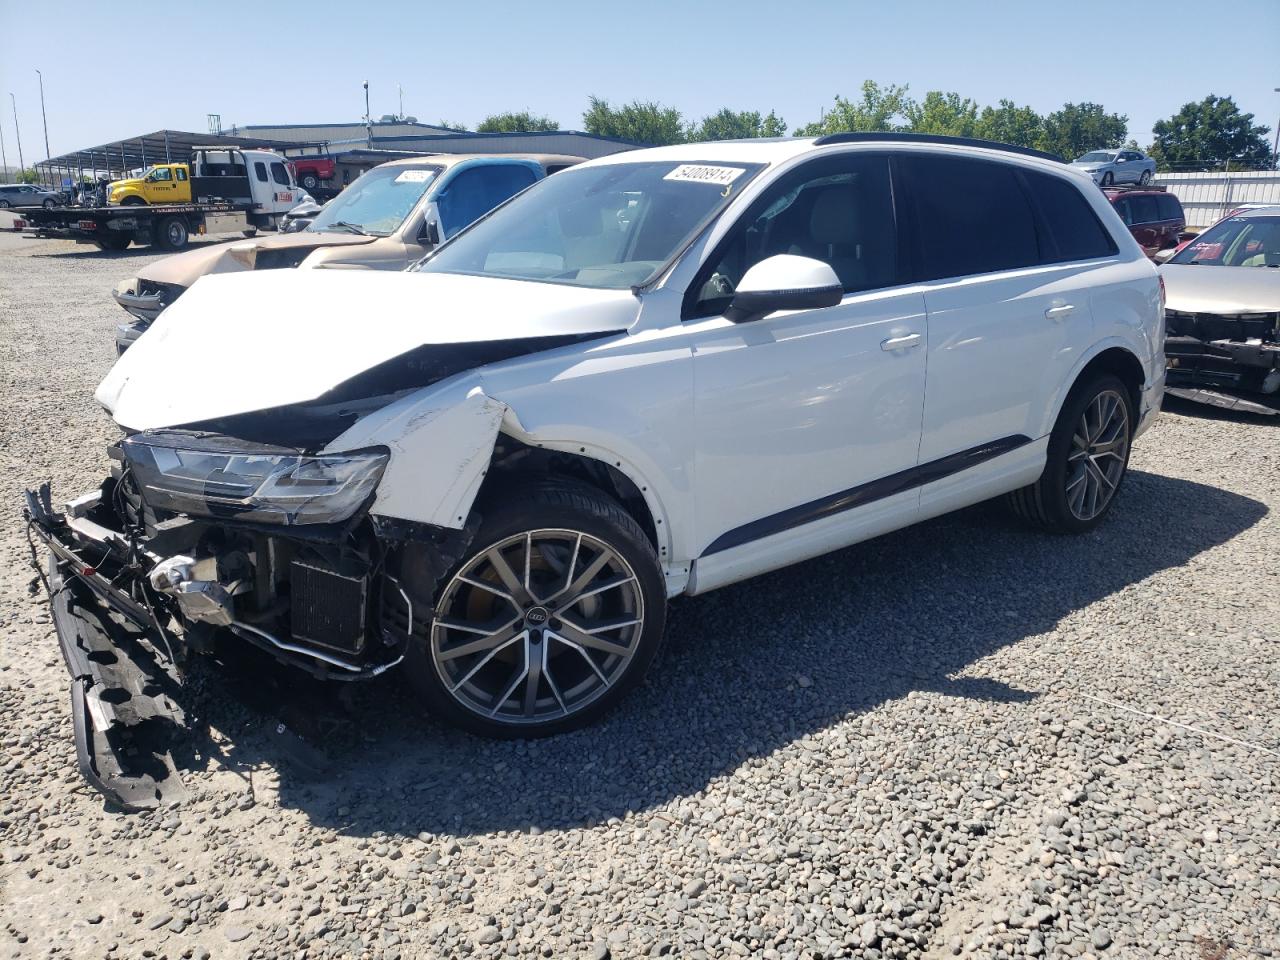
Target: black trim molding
[865,493]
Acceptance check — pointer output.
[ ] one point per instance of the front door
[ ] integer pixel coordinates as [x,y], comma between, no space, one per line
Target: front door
[803,418]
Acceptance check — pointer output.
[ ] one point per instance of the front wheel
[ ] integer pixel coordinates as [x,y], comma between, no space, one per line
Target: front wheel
[1087,459]
[1108,179]
[556,612]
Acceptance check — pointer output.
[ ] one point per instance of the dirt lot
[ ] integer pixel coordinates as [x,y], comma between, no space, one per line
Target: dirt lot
[964,739]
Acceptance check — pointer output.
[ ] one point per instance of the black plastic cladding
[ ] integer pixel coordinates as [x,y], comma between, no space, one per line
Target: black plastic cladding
[934,138]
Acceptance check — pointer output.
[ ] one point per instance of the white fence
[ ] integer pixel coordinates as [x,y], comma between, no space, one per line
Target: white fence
[1207,196]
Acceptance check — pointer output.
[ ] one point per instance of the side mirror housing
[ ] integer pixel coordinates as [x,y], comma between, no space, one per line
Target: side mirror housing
[784,282]
[431,232]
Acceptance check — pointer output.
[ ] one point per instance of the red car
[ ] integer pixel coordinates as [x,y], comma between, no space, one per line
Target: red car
[1154,217]
[310,171]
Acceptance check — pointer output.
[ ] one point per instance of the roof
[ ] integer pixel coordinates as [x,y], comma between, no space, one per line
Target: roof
[1273,210]
[473,135]
[447,160]
[155,147]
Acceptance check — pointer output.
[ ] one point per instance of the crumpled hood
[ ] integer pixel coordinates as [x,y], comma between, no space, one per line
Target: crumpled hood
[238,343]
[1223,290]
[184,269]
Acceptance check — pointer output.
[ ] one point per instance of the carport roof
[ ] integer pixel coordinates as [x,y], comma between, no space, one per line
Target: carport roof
[161,146]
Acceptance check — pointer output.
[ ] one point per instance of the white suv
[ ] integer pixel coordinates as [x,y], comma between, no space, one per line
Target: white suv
[654,374]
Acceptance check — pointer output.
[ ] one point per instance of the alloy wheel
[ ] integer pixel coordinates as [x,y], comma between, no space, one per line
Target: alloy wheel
[537,626]
[1099,454]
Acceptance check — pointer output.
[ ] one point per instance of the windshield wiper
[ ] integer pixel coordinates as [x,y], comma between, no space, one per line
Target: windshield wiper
[346,225]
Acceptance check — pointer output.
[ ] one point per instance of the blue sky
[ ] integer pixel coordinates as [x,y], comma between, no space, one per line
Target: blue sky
[459,61]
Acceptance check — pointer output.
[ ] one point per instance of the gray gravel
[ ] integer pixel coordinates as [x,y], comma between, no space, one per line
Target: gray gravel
[914,748]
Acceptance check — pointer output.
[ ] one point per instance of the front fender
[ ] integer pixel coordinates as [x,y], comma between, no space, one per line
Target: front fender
[441,442]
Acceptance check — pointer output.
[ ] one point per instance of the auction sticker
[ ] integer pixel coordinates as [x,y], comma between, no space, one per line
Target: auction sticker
[703,173]
[415,176]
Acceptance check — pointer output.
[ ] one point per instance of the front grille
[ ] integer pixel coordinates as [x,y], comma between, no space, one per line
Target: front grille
[1214,326]
[327,608]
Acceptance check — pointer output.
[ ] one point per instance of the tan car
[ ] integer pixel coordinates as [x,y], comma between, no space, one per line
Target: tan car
[389,217]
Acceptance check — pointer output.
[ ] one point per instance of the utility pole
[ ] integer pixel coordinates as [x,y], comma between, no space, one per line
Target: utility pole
[400,90]
[368,121]
[4,161]
[1275,150]
[43,118]
[21,164]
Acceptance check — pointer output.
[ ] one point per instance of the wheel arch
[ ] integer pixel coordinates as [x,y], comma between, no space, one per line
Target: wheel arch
[1114,358]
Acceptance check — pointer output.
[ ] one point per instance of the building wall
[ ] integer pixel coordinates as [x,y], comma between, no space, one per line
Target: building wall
[1206,197]
[311,133]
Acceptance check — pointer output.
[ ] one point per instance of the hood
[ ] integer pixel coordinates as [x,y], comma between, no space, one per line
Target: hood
[246,342]
[1090,166]
[1222,290]
[184,269]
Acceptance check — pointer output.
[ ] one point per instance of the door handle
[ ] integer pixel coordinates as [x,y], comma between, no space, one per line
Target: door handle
[1060,312]
[901,343]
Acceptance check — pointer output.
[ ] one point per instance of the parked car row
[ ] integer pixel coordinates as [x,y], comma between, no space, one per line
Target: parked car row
[653,374]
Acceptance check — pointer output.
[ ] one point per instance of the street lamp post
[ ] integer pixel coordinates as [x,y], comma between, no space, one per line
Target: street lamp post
[1275,150]
[43,118]
[21,163]
[368,120]
[4,161]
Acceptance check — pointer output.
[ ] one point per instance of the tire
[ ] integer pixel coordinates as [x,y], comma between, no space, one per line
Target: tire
[1060,500]
[50,203]
[171,233]
[4,204]
[1145,178]
[309,182]
[553,528]
[133,202]
[1108,179]
[113,242]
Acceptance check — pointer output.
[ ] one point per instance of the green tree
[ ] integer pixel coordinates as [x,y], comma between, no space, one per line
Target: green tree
[28,175]
[733,125]
[1205,135]
[1080,127]
[521,122]
[945,114]
[879,109]
[449,125]
[644,122]
[1010,123]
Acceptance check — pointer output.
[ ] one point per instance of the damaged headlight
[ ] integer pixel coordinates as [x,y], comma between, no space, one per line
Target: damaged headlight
[205,476]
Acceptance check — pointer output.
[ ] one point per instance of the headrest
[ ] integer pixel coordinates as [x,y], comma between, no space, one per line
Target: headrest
[834,216]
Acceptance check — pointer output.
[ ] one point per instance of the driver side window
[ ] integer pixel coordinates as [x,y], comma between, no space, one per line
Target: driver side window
[838,210]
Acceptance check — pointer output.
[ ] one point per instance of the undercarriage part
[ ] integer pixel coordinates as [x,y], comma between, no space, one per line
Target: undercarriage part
[1232,352]
[1226,401]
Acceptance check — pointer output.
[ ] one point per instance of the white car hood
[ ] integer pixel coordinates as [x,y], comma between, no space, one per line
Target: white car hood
[238,343]
[1204,288]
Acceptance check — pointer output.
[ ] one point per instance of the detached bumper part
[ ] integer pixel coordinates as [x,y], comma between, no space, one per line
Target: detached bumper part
[123,707]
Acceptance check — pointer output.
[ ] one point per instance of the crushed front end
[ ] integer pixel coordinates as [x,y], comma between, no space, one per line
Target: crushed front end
[1228,360]
[197,540]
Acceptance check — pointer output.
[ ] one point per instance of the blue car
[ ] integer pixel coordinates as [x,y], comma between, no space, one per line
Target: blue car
[1109,167]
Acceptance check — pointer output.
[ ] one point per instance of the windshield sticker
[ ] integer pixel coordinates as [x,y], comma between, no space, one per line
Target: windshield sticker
[414,176]
[701,173]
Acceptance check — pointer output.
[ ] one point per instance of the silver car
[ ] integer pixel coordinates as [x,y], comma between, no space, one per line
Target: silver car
[28,195]
[1109,167]
[1222,308]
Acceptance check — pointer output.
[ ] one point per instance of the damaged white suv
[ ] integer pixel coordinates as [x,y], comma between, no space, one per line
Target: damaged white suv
[651,375]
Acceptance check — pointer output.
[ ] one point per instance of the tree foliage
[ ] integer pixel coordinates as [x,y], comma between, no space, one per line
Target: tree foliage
[1080,127]
[946,114]
[644,122]
[738,125]
[515,122]
[878,110]
[28,175]
[1010,123]
[1207,134]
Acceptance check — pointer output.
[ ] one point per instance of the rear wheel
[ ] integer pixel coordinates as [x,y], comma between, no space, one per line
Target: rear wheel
[554,614]
[1087,459]
[4,204]
[309,182]
[171,234]
[50,203]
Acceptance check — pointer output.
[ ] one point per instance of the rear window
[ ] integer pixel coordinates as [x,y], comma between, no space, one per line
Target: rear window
[971,216]
[1074,229]
[260,169]
[1169,206]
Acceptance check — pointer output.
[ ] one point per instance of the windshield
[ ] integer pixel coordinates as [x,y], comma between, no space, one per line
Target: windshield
[376,203]
[609,227]
[1236,242]
[1098,156]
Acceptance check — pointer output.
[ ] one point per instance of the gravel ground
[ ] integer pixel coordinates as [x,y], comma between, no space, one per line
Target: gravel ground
[924,746]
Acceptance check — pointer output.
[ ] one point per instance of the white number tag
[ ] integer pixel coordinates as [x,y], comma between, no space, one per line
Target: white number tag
[703,173]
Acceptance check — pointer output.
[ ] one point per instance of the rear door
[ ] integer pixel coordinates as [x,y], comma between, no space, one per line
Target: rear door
[1145,226]
[1008,302]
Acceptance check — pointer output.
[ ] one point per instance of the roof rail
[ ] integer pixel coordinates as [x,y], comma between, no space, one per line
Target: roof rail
[934,138]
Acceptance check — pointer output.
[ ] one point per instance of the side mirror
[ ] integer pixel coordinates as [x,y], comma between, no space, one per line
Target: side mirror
[784,282]
[431,233]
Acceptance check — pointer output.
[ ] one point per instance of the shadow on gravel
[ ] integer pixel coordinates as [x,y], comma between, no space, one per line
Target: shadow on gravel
[1205,411]
[863,626]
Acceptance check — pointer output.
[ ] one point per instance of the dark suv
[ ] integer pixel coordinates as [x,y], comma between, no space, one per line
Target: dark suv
[1155,218]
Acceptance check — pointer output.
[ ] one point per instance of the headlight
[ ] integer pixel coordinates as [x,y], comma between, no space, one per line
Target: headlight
[216,476]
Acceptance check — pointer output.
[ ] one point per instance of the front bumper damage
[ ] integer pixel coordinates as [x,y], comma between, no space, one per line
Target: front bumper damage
[134,596]
[1228,361]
